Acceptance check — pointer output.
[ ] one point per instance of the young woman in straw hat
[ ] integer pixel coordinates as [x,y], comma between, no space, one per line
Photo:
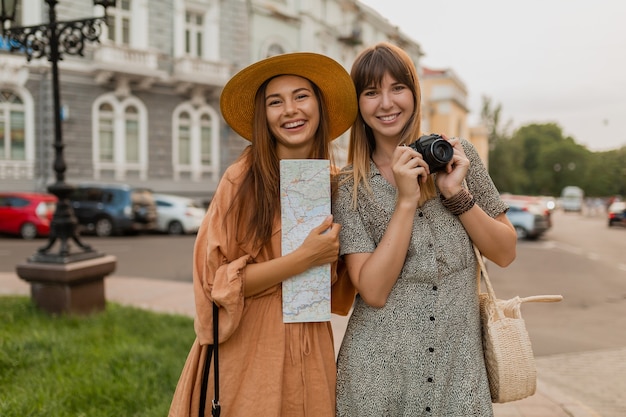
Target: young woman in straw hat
[289,107]
[413,342]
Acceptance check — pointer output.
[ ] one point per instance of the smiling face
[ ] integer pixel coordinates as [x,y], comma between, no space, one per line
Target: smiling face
[293,116]
[387,108]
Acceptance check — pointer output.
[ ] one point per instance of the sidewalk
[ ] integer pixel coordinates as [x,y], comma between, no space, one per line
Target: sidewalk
[176,297]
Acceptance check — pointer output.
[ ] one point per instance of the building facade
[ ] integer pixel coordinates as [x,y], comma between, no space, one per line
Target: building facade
[445,108]
[142,105]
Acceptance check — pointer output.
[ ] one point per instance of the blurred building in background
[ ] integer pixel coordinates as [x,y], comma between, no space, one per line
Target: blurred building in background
[142,107]
[445,110]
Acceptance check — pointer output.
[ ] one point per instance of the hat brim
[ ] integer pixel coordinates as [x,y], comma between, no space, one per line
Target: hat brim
[237,98]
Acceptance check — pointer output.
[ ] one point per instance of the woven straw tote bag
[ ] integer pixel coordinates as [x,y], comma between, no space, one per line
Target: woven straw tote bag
[508,352]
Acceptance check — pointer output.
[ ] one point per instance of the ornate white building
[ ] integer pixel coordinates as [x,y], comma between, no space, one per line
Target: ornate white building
[142,106]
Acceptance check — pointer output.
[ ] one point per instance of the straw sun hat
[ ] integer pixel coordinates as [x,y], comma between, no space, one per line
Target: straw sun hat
[237,99]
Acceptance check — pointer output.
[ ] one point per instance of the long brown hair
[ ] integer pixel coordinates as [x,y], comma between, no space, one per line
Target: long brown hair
[369,68]
[257,202]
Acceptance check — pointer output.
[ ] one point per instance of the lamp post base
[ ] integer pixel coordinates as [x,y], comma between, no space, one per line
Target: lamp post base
[39,257]
[74,288]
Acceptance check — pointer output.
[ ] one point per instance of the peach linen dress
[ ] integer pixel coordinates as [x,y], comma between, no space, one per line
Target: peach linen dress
[267,368]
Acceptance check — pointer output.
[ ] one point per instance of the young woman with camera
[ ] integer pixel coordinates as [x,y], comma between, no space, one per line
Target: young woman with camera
[413,344]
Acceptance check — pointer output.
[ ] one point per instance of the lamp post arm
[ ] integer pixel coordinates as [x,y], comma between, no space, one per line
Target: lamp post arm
[71,37]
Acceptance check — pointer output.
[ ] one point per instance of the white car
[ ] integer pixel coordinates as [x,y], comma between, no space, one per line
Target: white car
[178,215]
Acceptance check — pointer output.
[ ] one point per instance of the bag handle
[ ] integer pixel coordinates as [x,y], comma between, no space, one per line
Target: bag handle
[492,295]
[541,299]
[212,351]
[482,270]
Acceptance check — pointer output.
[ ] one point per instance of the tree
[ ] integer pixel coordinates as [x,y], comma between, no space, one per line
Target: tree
[537,159]
[606,175]
[490,118]
[502,153]
[550,160]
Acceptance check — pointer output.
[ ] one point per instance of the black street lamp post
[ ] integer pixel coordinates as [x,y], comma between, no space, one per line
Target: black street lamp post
[48,271]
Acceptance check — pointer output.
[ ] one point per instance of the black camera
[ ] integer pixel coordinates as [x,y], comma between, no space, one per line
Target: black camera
[435,150]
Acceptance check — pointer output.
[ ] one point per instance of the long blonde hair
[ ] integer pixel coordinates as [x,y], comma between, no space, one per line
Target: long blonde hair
[368,69]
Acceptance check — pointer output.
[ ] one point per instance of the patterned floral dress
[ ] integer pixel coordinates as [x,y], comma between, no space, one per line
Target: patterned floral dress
[420,354]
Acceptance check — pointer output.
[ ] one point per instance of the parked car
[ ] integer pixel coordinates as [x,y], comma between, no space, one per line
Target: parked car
[617,213]
[26,214]
[540,205]
[178,215]
[110,209]
[529,221]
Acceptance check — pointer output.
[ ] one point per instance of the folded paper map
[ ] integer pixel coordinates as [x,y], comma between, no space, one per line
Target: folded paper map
[305,203]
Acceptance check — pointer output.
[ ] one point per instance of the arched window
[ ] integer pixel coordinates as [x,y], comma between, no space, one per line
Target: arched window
[274,45]
[274,49]
[120,147]
[206,140]
[184,139]
[106,134]
[12,127]
[131,119]
[195,142]
[17,133]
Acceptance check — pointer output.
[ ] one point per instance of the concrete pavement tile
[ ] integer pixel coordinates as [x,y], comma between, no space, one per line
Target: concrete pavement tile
[596,379]
[163,296]
[506,410]
[11,284]
[571,406]
[537,405]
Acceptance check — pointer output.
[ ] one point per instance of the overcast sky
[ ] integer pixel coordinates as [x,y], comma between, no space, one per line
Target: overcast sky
[561,61]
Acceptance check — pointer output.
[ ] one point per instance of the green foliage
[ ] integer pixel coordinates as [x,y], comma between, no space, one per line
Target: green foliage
[538,160]
[504,154]
[120,362]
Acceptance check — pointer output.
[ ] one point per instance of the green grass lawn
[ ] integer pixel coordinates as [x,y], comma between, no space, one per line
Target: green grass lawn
[120,362]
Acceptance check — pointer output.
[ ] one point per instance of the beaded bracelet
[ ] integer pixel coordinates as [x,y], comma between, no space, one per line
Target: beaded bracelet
[458,203]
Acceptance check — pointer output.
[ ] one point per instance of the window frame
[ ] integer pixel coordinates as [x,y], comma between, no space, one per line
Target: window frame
[209,10]
[196,169]
[18,168]
[120,165]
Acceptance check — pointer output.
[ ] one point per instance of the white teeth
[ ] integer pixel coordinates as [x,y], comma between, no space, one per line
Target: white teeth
[294,124]
[388,118]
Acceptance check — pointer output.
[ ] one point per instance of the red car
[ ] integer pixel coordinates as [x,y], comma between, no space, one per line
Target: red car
[26,214]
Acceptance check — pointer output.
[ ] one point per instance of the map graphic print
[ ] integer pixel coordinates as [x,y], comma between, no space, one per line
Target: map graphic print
[305,203]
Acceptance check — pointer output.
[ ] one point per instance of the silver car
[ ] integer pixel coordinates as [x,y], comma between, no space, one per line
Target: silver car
[529,223]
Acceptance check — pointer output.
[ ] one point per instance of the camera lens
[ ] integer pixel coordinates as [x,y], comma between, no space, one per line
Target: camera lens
[441,150]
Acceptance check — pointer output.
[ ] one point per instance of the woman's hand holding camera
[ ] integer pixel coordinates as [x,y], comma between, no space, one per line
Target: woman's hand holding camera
[407,165]
[450,180]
